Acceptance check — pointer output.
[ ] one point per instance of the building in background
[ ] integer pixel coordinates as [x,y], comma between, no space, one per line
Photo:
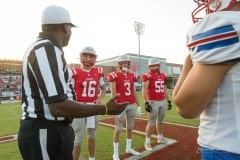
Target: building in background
[174,71]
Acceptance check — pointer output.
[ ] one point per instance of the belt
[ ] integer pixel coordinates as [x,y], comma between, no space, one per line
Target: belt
[50,122]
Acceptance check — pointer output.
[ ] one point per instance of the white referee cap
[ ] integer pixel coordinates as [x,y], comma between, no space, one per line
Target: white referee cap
[56,15]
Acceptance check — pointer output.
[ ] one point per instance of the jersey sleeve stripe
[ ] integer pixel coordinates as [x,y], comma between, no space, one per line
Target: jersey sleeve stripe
[218,44]
[214,32]
[218,37]
[213,38]
[100,70]
[74,72]
[148,75]
[113,74]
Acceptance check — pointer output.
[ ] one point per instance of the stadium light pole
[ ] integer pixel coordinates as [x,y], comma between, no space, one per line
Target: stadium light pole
[139,29]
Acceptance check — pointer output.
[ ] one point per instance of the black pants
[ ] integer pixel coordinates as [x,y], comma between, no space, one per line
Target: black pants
[45,140]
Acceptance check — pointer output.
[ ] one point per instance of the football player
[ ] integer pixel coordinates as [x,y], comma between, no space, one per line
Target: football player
[122,83]
[86,81]
[154,94]
[208,86]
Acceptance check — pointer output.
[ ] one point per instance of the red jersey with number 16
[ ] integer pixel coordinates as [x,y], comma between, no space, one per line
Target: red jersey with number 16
[156,85]
[86,83]
[124,85]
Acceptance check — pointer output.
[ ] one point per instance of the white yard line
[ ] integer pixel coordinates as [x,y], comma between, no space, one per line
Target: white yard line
[9,138]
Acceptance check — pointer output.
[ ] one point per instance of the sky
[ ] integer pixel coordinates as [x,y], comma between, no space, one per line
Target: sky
[106,25]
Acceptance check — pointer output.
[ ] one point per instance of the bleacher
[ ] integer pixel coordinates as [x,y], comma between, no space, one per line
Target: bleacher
[10,79]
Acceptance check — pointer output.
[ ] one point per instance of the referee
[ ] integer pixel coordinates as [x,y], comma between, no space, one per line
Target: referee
[47,108]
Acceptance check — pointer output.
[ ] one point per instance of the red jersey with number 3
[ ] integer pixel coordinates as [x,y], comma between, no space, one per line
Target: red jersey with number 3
[156,85]
[124,85]
[86,83]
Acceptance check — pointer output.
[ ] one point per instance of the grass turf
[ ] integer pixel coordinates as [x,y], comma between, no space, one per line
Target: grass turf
[10,114]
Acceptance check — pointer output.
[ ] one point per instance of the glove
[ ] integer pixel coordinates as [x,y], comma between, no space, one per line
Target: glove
[169,105]
[139,111]
[148,107]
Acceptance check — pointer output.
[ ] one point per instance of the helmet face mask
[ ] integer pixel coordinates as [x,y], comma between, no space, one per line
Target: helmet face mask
[124,66]
[124,63]
[208,6]
[154,68]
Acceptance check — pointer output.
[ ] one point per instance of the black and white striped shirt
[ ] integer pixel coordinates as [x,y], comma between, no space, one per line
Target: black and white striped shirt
[44,78]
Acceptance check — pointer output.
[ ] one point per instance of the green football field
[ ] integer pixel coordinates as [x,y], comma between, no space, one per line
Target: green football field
[10,114]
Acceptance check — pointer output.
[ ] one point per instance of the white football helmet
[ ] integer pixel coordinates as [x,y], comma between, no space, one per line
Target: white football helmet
[153,61]
[154,65]
[90,51]
[209,6]
[124,58]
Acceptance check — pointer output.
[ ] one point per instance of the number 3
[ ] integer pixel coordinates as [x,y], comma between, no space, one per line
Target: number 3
[127,85]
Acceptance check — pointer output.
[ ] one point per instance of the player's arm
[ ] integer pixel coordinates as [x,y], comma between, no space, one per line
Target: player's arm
[113,88]
[196,86]
[168,98]
[144,90]
[148,106]
[139,108]
[102,93]
[166,93]
[136,96]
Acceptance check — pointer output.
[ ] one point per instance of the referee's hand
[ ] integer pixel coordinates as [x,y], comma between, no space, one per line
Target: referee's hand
[114,108]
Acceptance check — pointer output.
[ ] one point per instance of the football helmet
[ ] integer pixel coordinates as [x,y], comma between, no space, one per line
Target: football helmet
[154,65]
[209,6]
[121,60]
[88,61]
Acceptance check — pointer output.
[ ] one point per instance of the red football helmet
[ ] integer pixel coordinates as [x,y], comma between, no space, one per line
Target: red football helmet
[154,65]
[208,6]
[88,56]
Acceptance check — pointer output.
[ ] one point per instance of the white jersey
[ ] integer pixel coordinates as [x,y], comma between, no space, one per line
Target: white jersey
[215,39]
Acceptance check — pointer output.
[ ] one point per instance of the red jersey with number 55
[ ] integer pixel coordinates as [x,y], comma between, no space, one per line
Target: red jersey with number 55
[86,83]
[156,85]
[124,85]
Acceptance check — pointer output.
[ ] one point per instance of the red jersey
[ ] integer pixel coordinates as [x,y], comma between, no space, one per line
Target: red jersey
[86,83]
[156,85]
[124,85]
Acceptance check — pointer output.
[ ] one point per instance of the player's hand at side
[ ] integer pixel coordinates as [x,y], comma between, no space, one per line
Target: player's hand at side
[148,107]
[114,108]
[98,101]
[169,105]
[139,111]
